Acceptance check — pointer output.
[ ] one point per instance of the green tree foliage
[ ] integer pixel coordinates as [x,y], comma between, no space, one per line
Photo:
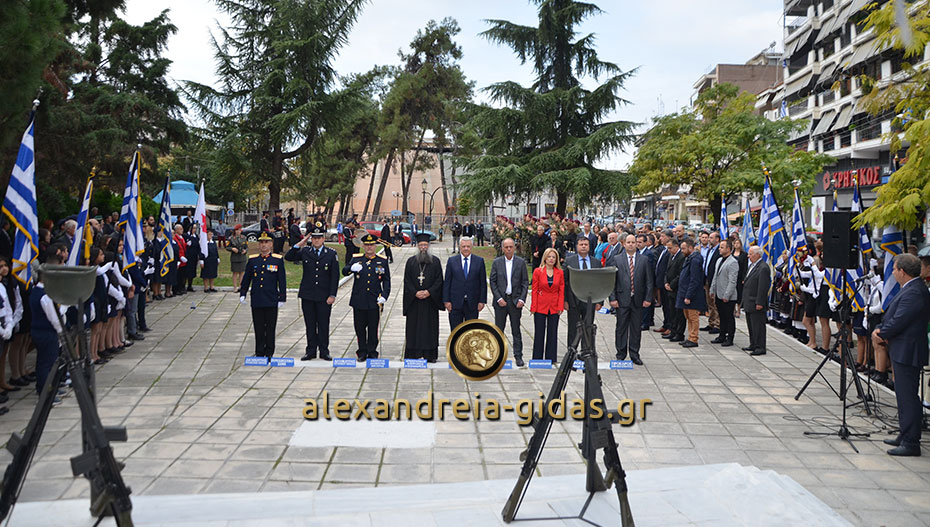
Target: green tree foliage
[720,147]
[550,135]
[277,86]
[423,97]
[904,198]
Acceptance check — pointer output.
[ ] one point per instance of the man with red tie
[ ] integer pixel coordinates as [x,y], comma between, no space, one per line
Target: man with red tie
[632,292]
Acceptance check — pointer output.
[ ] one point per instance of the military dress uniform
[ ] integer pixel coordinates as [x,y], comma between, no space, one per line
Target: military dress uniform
[265,275]
[320,281]
[372,282]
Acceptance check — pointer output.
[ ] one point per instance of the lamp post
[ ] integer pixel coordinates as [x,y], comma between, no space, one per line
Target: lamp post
[423,184]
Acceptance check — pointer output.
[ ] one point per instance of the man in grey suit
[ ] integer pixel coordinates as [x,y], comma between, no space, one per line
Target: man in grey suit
[509,285]
[578,308]
[756,299]
[632,292]
[723,292]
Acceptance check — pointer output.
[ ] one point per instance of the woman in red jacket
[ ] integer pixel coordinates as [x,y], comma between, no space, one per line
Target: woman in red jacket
[547,302]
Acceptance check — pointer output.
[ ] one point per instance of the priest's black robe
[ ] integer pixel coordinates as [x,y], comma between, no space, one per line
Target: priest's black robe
[422,331]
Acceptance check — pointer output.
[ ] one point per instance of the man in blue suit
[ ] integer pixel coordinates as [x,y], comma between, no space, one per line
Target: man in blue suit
[904,331]
[465,287]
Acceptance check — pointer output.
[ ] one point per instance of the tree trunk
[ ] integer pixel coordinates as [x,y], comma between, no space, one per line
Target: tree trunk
[404,210]
[371,187]
[384,178]
[455,188]
[412,168]
[561,202]
[274,183]
[442,181]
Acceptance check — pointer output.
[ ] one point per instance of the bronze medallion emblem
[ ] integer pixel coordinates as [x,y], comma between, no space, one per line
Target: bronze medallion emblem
[476,349]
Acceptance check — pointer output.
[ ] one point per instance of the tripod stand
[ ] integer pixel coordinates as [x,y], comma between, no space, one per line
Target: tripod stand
[846,361]
[597,433]
[109,495]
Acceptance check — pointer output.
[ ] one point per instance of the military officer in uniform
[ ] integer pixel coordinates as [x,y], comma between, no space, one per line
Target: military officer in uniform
[268,296]
[317,289]
[370,290]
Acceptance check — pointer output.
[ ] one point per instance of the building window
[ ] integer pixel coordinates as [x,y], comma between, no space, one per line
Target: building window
[532,209]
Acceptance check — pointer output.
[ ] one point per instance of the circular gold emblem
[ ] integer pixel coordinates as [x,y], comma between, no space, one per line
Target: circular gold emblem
[477,350]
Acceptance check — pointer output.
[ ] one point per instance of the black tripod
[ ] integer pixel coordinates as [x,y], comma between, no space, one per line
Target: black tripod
[596,433]
[109,495]
[846,361]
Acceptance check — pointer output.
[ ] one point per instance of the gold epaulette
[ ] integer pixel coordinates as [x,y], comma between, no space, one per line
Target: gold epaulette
[276,255]
[254,255]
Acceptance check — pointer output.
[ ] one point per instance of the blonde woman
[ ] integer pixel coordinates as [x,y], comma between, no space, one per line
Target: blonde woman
[547,302]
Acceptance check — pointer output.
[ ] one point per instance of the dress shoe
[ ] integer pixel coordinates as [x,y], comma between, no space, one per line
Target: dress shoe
[757,352]
[325,357]
[726,344]
[706,328]
[718,340]
[636,360]
[19,382]
[666,335]
[748,348]
[688,344]
[360,358]
[3,410]
[127,344]
[10,389]
[893,442]
[31,377]
[660,330]
[676,338]
[621,355]
[644,328]
[136,336]
[905,450]
[307,357]
[4,398]
[713,331]
[519,362]
[431,361]
[145,330]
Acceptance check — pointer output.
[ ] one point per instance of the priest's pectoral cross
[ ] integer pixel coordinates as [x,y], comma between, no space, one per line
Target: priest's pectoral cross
[421,278]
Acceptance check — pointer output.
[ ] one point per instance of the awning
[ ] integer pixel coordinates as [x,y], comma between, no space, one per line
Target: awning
[844,117]
[826,74]
[798,43]
[824,125]
[697,204]
[857,6]
[798,84]
[668,198]
[839,18]
[864,51]
[640,200]
[804,132]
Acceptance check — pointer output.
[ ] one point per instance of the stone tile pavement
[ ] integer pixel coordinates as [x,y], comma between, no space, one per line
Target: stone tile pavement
[201,422]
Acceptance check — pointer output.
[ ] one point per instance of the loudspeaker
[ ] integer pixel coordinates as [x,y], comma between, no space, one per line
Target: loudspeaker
[840,245]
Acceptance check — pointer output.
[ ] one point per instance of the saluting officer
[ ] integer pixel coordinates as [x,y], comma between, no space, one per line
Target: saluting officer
[268,296]
[370,290]
[317,289]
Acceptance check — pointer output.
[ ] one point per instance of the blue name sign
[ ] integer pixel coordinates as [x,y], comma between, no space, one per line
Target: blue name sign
[282,362]
[578,365]
[377,363]
[343,363]
[256,361]
[540,364]
[621,365]
[508,365]
[417,364]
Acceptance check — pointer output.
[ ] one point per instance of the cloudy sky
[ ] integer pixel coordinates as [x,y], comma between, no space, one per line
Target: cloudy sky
[671,42]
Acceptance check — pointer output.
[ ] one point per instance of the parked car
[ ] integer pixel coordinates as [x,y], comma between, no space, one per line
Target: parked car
[408,232]
[252,232]
[374,228]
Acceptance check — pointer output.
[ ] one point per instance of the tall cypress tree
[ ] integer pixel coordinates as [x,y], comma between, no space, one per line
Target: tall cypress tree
[548,136]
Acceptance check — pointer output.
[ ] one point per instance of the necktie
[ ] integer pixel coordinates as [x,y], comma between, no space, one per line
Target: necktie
[466,267]
[631,275]
[584,263]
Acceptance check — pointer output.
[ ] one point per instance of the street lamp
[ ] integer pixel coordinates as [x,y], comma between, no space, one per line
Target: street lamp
[423,184]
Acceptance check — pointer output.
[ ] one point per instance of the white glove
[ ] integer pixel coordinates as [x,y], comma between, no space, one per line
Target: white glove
[218,260]
[242,300]
[183,260]
[381,299]
[201,263]
[151,261]
[280,305]
[356,267]
[120,304]
[6,331]
[149,271]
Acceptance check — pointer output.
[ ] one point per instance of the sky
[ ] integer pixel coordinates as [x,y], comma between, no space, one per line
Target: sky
[670,43]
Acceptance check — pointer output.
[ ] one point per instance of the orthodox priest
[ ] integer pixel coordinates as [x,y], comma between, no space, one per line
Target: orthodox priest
[422,302]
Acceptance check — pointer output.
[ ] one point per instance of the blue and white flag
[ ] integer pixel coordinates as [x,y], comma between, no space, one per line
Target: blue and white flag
[798,240]
[865,243]
[130,218]
[19,205]
[893,245]
[82,234]
[164,227]
[724,225]
[748,234]
[771,227]
[783,110]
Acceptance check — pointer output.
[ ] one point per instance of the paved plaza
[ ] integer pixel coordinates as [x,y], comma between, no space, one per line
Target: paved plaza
[199,421]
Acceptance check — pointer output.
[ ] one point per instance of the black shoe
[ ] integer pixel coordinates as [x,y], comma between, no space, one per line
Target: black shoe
[307,357]
[748,348]
[3,410]
[645,328]
[519,362]
[676,338]
[757,352]
[325,357]
[136,336]
[360,358]
[713,331]
[893,442]
[31,377]
[621,355]
[707,328]
[726,344]
[19,382]
[904,450]
[190,289]
[667,336]
[431,361]
[880,377]
[145,330]
[718,340]
[4,398]
[636,360]
[688,344]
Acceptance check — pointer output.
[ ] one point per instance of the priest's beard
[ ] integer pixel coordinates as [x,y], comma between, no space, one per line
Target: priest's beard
[423,257]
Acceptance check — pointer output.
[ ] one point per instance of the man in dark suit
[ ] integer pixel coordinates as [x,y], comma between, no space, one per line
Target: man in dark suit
[386,238]
[644,248]
[370,290]
[756,300]
[587,233]
[632,292]
[675,324]
[464,288]
[540,241]
[710,267]
[509,285]
[577,308]
[661,268]
[318,287]
[904,331]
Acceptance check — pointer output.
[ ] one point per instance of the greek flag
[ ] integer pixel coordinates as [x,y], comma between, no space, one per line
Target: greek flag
[82,235]
[771,227]
[865,243]
[20,206]
[724,226]
[130,218]
[164,227]
[893,245]
[783,110]
[798,239]
[748,234]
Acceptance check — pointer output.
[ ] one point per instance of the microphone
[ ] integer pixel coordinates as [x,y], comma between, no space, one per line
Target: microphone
[869,276]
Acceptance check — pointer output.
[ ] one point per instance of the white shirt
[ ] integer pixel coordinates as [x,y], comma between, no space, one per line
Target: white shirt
[508,265]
